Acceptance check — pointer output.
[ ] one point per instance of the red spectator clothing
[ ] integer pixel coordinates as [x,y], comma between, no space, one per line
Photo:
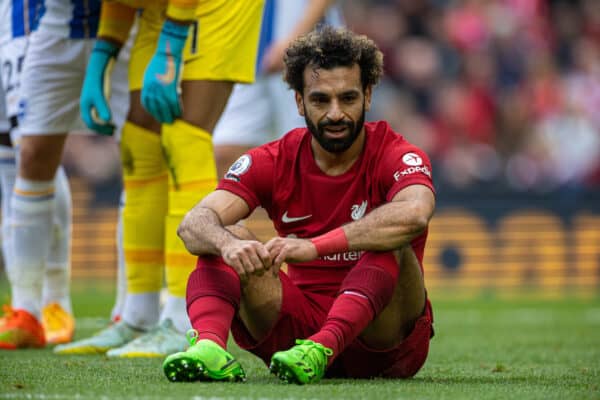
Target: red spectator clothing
[302,201]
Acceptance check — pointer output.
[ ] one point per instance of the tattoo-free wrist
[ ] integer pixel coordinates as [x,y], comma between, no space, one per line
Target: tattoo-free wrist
[332,242]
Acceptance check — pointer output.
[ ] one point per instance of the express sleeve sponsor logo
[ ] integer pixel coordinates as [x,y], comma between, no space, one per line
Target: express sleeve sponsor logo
[412,170]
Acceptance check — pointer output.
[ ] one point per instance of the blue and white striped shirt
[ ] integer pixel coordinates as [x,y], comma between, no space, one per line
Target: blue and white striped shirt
[18,18]
[75,19]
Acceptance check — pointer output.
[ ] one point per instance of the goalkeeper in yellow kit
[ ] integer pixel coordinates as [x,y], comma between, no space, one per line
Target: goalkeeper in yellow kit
[186,57]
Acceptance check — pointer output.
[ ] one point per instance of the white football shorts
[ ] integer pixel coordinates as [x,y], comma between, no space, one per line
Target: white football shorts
[51,81]
[258,113]
[12,55]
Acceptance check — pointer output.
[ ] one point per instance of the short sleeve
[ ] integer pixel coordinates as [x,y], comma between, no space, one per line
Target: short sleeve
[405,166]
[251,177]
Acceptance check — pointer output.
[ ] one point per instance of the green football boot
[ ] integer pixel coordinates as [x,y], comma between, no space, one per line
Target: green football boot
[304,363]
[204,360]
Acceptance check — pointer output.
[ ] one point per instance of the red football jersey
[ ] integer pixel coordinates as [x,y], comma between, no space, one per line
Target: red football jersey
[302,201]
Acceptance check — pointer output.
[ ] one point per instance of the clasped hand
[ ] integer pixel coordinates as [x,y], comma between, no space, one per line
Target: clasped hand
[251,257]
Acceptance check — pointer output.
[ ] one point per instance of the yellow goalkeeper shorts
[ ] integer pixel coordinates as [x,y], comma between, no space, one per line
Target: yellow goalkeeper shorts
[222,44]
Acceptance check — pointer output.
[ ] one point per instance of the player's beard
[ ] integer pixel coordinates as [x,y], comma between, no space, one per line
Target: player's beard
[335,145]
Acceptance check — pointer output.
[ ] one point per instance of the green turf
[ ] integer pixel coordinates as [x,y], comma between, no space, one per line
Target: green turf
[483,349]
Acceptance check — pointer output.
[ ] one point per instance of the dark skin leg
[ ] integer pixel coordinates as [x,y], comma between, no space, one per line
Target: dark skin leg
[139,116]
[40,156]
[196,110]
[261,296]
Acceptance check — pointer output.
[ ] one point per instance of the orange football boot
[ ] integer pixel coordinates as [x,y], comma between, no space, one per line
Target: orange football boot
[58,324]
[19,329]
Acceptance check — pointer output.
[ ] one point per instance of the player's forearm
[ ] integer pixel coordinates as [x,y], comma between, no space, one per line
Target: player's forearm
[388,227]
[203,233]
[116,20]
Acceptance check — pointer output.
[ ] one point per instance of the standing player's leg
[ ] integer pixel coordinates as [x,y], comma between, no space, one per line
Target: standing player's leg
[219,53]
[119,105]
[145,179]
[32,207]
[142,215]
[182,142]
[17,327]
[57,311]
[208,74]
[32,216]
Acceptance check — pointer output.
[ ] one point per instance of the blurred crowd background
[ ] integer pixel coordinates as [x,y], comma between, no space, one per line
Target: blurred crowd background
[502,92]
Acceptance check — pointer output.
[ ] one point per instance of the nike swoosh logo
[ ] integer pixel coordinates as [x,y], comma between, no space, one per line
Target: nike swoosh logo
[287,219]
[169,76]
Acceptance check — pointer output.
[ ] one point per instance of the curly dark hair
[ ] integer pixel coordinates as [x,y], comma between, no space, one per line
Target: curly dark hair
[328,48]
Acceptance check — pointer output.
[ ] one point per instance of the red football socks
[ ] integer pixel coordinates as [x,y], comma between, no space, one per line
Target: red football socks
[348,317]
[213,296]
[211,317]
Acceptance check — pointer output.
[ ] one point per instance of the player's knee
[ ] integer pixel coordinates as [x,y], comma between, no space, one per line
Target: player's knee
[213,277]
[375,277]
[190,159]
[141,153]
[37,161]
[139,116]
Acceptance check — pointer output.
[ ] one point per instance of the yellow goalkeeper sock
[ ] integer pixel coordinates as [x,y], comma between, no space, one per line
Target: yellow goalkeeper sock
[193,175]
[145,179]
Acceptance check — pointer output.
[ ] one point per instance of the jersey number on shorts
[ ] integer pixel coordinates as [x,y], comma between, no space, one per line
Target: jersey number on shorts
[11,73]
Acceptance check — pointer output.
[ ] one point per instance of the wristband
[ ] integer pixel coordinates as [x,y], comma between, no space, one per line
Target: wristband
[178,34]
[332,242]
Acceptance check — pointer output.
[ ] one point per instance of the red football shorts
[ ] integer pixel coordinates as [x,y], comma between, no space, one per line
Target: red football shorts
[303,313]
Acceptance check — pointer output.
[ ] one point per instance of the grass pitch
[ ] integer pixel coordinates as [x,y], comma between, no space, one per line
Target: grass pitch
[483,349]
